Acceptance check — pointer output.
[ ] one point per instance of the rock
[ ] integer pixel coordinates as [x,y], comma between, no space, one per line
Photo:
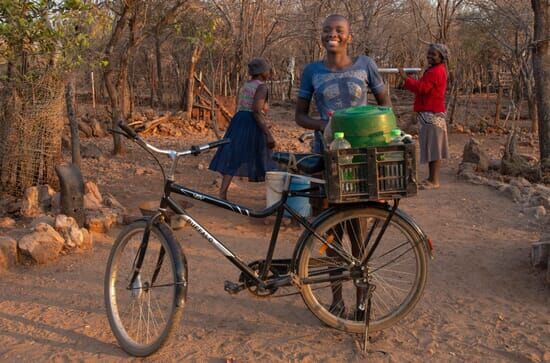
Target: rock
[42,245]
[65,142]
[139,171]
[97,129]
[45,194]
[466,170]
[7,222]
[8,252]
[92,196]
[90,202]
[96,225]
[476,179]
[200,166]
[90,151]
[540,212]
[43,219]
[540,252]
[30,205]
[112,202]
[74,235]
[520,182]
[473,154]
[85,128]
[102,220]
[56,203]
[513,192]
[495,164]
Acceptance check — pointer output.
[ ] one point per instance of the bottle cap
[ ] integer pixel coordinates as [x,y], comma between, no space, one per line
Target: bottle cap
[338,135]
[395,132]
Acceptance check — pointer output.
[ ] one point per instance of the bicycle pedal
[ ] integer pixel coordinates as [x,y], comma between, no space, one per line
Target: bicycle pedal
[233,287]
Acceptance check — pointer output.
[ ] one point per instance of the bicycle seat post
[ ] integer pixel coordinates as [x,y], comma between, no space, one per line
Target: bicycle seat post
[174,158]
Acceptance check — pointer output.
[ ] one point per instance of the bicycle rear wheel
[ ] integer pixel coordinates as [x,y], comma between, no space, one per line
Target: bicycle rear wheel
[397,269]
[145,304]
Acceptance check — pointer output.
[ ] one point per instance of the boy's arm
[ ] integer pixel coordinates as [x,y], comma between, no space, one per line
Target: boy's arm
[302,116]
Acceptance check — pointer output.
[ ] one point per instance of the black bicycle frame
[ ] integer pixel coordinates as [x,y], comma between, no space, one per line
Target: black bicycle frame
[279,208]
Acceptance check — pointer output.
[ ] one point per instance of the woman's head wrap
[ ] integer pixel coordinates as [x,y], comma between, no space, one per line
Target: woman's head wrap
[442,49]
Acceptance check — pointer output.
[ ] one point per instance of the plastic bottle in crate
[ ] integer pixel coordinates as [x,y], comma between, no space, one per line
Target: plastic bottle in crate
[347,172]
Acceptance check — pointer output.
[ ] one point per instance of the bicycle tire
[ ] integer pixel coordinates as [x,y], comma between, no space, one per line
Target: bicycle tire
[171,279]
[307,262]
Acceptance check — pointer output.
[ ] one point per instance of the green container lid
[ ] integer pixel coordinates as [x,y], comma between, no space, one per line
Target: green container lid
[338,135]
[365,125]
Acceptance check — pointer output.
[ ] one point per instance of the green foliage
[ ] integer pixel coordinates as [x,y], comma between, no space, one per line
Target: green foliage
[44,32]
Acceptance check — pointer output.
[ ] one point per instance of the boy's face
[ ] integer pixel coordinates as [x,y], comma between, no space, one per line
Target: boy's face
[335,34]
[434,57]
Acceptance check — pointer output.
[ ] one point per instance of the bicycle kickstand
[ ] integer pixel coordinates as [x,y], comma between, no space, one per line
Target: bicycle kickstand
[367,306]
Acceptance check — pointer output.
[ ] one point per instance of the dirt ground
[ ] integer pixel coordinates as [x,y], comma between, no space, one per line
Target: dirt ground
[483,302]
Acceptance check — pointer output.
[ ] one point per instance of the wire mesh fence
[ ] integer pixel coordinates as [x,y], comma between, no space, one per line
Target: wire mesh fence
[31,123]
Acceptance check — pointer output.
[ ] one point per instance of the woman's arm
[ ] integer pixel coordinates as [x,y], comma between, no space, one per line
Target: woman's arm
[302,116]
[422,86]
[258,110]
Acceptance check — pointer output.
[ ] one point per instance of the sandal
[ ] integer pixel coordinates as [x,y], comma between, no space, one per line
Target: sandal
[427,185]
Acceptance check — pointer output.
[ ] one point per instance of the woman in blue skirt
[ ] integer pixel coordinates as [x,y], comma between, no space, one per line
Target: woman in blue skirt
[249,152]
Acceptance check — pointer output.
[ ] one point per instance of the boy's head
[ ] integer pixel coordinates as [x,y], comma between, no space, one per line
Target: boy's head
[335,34]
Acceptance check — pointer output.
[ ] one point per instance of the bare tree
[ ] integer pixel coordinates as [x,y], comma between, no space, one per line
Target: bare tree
[541,66]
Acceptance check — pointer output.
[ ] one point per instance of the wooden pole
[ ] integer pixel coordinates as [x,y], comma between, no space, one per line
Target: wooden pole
[93,90]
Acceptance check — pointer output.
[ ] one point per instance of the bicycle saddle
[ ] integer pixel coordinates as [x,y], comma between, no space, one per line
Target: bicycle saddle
[306,163]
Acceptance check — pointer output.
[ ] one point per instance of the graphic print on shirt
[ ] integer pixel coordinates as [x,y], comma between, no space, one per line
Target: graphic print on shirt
[340,90]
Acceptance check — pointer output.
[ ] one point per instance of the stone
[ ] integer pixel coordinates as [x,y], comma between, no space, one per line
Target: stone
[110,201]
[540,212]
[97,129]
[540,252]
[474,154]
[92,196]
[90,202]
[43,219]
[512,191]
[7,222]
[495,164]
[45,194]
[139,171]
[96,225]
[87,240]
[85,128]
[42,245]
[91,188]
[30,205]
[90,151]
[200,166]
[8,252]
[466,170]
[56,203]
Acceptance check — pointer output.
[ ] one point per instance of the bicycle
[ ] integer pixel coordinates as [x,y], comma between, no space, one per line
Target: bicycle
[358,266]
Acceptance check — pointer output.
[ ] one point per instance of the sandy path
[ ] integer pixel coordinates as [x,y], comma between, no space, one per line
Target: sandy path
[482,302]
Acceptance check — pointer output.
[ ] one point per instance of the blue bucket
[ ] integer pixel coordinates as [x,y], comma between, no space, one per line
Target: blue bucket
[275,182]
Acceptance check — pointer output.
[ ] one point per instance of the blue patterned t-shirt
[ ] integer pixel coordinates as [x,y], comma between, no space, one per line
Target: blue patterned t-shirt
[338,89]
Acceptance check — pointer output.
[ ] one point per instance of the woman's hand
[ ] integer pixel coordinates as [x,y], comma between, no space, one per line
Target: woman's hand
[402,73]
[270,141]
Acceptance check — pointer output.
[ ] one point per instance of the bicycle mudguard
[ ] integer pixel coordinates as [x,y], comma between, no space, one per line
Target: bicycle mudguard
[336,208]
[180,261]
[177,251]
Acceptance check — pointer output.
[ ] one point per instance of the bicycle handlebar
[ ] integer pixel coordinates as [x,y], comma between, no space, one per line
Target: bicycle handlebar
[129,133]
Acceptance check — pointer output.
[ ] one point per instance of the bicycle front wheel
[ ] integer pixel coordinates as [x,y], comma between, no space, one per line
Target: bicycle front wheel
[397,269]
[145,286]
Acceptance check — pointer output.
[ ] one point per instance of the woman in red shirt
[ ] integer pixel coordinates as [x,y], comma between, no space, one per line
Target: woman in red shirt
[429,104]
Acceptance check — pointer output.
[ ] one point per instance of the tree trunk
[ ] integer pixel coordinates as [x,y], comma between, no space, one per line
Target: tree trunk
[159,71]
[541,70]
[75,141]
[190,84]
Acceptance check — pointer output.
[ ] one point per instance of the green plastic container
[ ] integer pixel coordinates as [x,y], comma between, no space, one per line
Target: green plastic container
[365,125]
